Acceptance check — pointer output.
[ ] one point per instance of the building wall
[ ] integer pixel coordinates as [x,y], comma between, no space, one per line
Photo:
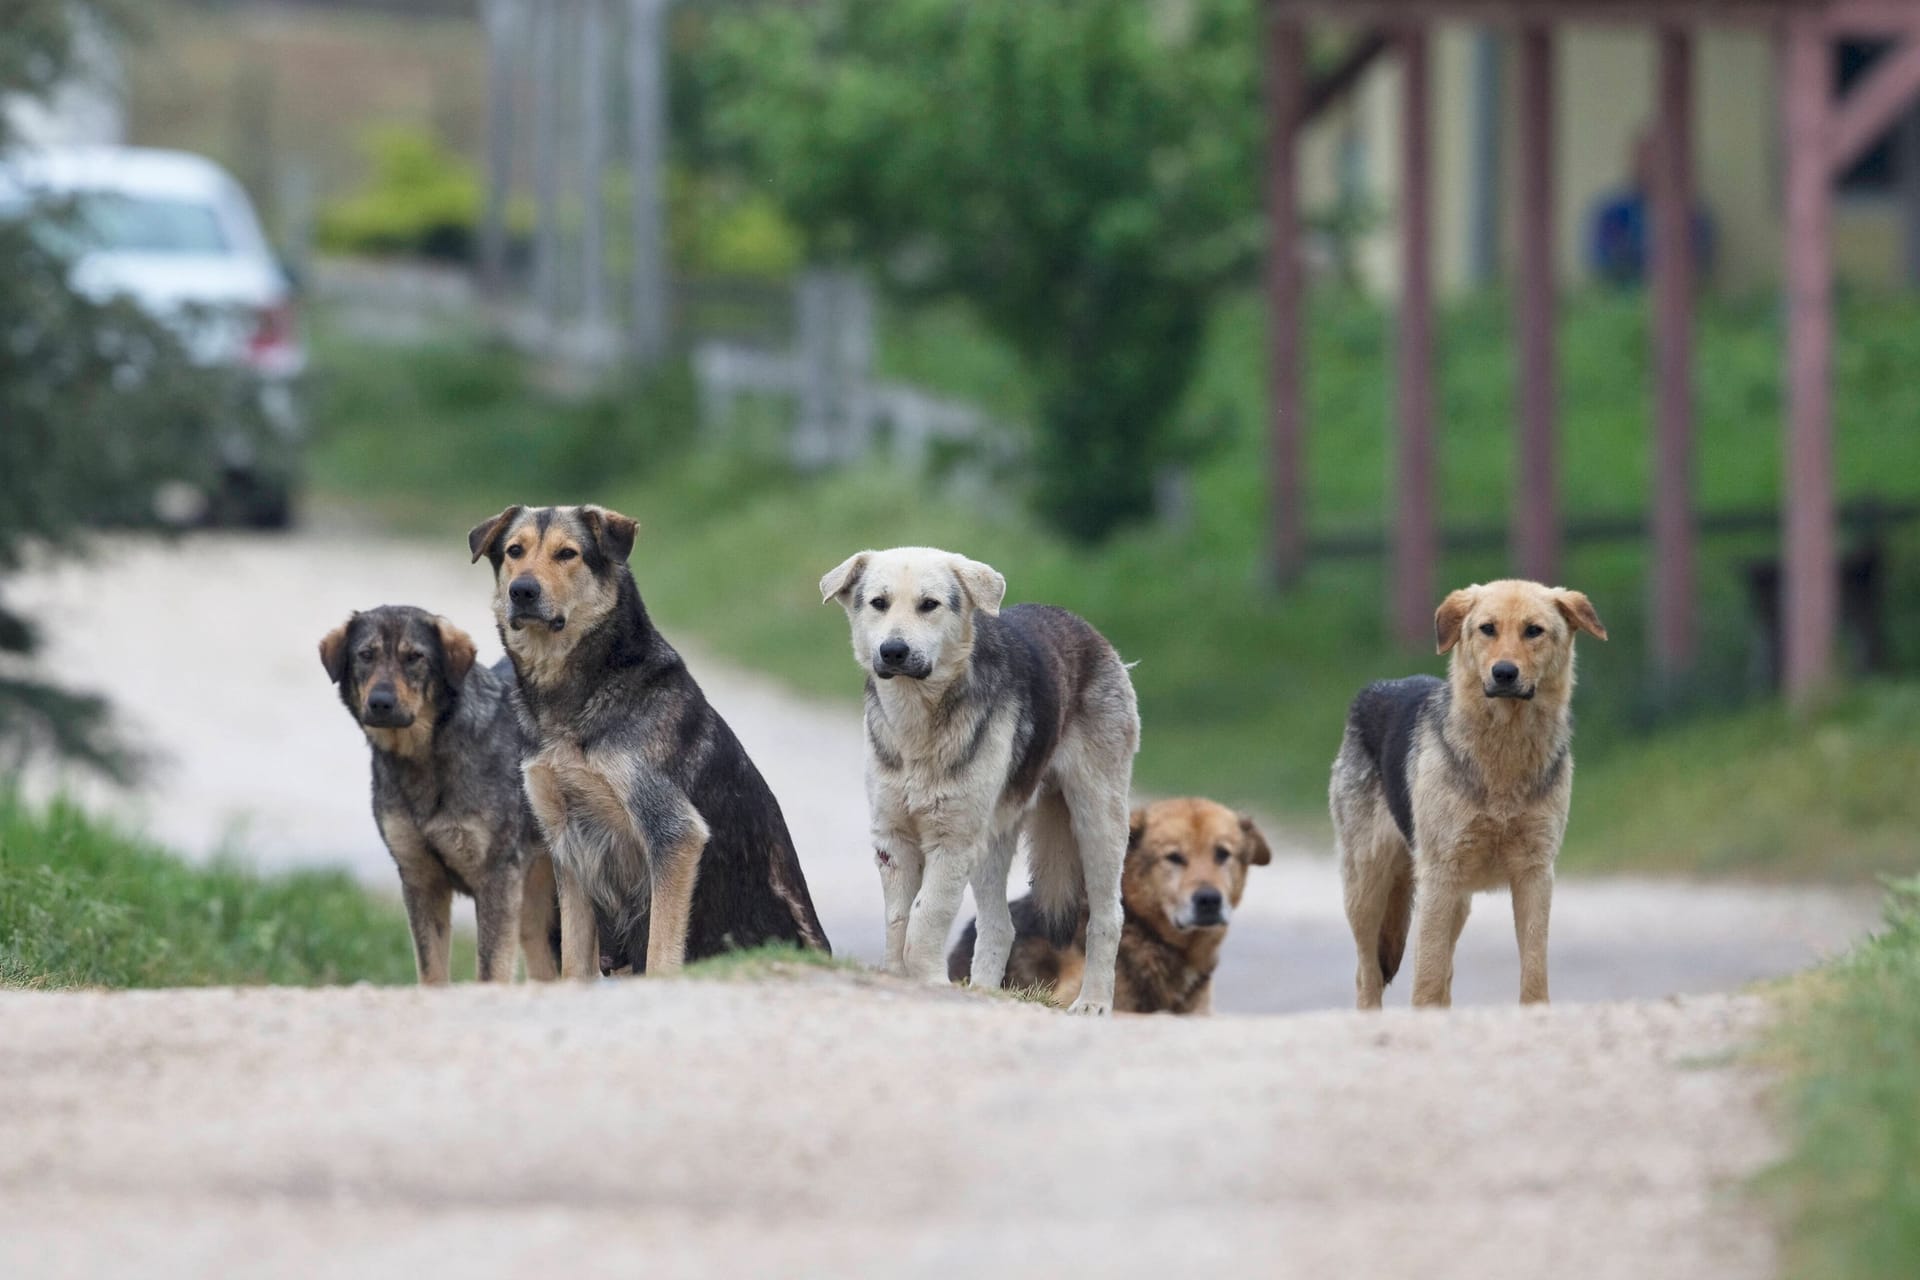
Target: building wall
[1605,79]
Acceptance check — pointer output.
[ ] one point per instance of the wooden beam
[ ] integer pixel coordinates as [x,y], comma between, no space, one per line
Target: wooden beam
[501,19]
[1416,532]
[1285,83]
[1809,604]
[1536,508]
[1874,103]
[1673,283]
[1334,84]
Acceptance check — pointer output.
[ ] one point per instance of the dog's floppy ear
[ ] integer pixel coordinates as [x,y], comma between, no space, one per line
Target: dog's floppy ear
[613,531]
[840,579]
[457,645]
[1448,617]
[480,541]
[1259,853]
[333,650]
[1579,612]
[982,583]
[1136,827]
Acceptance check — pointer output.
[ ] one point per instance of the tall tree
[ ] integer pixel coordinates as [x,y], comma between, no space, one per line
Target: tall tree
[1080,171]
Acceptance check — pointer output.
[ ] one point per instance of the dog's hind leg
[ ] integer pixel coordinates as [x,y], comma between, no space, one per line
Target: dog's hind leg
[1099,808]
[994,928]
[539,921]
[1054,868]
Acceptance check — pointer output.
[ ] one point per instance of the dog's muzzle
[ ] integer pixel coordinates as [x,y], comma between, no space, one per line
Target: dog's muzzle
[1503,681]
[1206,909]
[381,709]
[1517,692]
[897,658]
[520,617]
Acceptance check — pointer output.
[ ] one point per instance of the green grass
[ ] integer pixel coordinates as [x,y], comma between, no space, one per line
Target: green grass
[770,960]
[1851,1185]
[82,905]
[1243,691]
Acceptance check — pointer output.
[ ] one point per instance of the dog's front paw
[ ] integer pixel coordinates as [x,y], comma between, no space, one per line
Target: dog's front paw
[1090,1008]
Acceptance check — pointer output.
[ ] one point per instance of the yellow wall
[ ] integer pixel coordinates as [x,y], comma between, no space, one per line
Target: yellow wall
[1606,97]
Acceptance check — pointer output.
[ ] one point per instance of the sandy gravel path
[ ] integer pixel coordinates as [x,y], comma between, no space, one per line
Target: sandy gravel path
[208,649]
[844,1126]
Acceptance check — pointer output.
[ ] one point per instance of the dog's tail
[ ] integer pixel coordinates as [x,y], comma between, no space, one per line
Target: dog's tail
[1399,919]
[1059,879]
[960,959]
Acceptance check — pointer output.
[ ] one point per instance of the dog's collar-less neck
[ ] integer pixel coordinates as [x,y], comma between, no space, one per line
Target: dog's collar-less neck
[1466,723]
[1173,957]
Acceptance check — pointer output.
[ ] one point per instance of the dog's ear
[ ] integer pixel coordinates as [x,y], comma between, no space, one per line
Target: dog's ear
[1579,612]
[612,531]
[1259,853]
[1448,617]
[333,650]
[982,583]
[1136,827]
[457,645]
[841,578]
[480,541]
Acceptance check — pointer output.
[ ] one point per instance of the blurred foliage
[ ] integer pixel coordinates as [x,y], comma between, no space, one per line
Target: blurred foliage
[84,905]
[422,199]
[99,406]
[1850,1185]
[1082,174]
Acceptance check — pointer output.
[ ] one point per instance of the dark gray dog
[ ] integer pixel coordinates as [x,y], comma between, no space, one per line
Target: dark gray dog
[667,843]
[981,725]
[446,786]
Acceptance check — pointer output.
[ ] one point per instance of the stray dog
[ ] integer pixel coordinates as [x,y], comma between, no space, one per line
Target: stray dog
[667,844]
[446,786]
[981,724]
[1186,868]
[1444,789]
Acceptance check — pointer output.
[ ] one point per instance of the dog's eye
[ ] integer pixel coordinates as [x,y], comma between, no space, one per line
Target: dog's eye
[1177,859]
[1488,629]
[928,606]
[1534,631]
[1222,854]
[566,553]
[879,602]
[367,654]
[515,551]
[413,657]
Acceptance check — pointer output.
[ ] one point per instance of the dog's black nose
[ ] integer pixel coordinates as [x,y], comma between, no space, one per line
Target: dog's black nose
[894,652]
[1206,903]
[523,590]
[381,701]
[1505,673]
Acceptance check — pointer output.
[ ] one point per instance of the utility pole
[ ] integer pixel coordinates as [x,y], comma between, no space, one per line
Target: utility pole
[647,128]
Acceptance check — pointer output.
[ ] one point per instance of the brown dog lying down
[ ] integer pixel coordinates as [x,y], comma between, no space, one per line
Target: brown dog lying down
[1186,868]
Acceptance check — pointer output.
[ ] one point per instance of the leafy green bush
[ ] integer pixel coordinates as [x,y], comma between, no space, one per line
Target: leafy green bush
[83,905]
[422,199]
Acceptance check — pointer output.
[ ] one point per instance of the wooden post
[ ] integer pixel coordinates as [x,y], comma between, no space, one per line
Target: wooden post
[501,20]
[1809,588]
[546,166]
[1673,285]
[647,155]
[1414,535]
[1286,70]
[1536,508]
[593,173]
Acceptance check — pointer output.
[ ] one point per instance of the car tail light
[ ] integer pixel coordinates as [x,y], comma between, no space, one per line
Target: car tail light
[273,339]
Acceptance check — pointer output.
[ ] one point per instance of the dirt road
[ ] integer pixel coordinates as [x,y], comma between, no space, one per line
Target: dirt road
[208,649]
[844,1126]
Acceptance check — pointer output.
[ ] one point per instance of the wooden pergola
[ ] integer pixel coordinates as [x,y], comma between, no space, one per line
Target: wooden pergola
[1823,133]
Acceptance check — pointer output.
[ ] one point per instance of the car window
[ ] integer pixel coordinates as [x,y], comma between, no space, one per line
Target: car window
[142,224]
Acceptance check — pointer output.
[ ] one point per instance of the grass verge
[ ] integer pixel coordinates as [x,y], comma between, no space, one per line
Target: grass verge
[1851,1186]
[82,905]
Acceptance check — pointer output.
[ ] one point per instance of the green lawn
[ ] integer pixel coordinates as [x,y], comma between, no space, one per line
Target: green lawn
[82,905]
[1850,1188]
[1243,691]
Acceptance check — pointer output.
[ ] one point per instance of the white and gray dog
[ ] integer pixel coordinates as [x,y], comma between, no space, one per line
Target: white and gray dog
[981,724]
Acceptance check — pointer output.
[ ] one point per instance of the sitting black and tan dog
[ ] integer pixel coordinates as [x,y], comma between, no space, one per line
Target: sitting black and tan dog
[446,787]
[1186,869]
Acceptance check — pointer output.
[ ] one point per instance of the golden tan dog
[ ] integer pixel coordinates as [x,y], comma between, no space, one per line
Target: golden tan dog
[1444,789]
[1186,869]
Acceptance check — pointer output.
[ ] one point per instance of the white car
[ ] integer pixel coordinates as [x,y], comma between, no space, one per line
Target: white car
[177,235]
